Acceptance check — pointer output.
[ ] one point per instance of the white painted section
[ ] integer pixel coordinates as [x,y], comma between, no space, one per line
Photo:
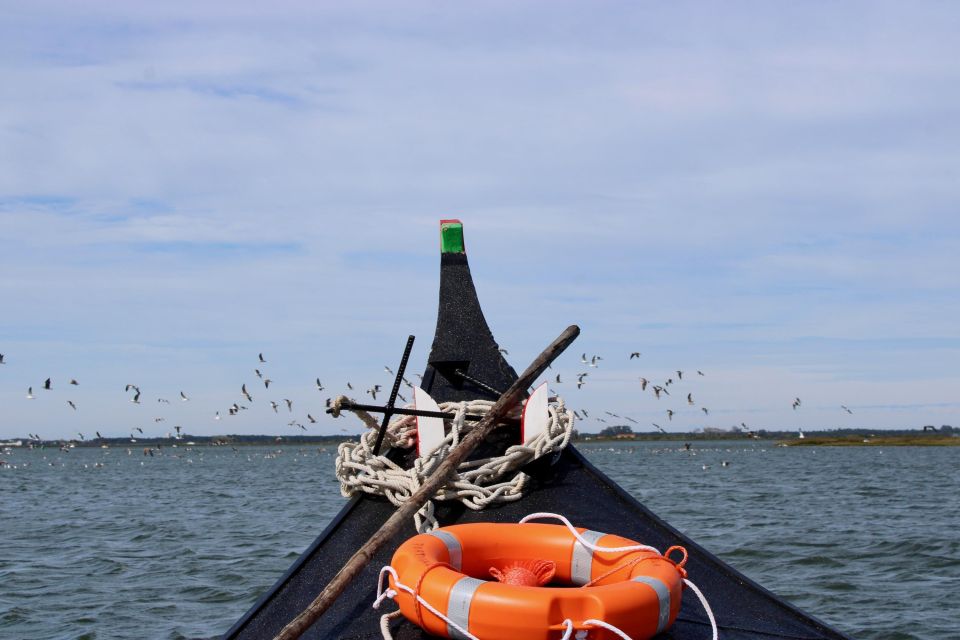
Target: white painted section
[536,416]
[429,430]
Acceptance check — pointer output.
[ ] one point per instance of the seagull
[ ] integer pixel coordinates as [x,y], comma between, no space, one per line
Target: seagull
[679,375]
[29,393]
[700,373]
[136,397]
[261,358]
[631,419]
[266,383]
[319,385]
[274,405]
[183,397]
[580,383]
[373,392]
[388,369]
[844,407]
[246,393]
[635,354]
[643,384]
[1,359]
[796,403]
[163,400]
[74,382]
[706,412]
[178,427]
[289,404]
[408,383]
[690,399]
[311,419]
[99,436]
[662,430]
[257,371]
[400,395]
[72,406]
[140,430]
[657,389]
[349,386]
[46,384]
[669,414]
[583,359]
[81,435]
[160,419]
[558,379]
[217,417]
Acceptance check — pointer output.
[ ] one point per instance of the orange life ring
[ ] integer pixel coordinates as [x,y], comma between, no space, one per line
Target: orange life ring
[636,591]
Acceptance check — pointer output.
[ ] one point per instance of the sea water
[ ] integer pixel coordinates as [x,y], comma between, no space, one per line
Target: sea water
[112,543]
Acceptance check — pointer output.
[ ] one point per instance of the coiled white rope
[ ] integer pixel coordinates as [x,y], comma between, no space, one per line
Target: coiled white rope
[382,593]
[477,483]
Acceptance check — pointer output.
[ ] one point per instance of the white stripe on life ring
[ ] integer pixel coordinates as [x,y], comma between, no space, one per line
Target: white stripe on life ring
[581,562]
[458,605]
[453,547]
[663,596]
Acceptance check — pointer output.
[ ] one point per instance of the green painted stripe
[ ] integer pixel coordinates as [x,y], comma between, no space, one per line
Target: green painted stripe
[451,236]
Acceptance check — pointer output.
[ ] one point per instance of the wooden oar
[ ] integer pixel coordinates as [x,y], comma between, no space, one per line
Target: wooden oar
[296,627]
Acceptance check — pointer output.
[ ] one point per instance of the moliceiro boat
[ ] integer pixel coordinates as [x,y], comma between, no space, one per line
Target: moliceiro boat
[545,475]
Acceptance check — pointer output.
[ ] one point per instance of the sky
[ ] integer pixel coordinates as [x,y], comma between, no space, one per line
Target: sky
[765,192]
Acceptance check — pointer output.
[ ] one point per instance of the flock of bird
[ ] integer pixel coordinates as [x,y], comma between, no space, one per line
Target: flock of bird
[659,391]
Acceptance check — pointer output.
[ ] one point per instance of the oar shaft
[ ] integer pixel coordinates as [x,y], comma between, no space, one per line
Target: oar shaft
[296,627]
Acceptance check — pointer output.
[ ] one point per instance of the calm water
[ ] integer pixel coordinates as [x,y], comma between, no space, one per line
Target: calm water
[180,545]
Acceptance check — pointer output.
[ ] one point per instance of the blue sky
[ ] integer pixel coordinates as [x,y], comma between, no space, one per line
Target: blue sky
[767,193]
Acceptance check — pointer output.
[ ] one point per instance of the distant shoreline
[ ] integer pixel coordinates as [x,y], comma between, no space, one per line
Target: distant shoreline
[841,437]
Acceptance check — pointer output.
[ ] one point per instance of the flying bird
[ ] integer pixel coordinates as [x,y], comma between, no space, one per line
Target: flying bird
[706,411]
[311,419]
[274,405]
[29,393]
[74,382]
[669,414]
[796,403]
[373,391]
[388,369]
[183,397]
[349,386]
[72,406]
[679,375]
[844,407]
[700,373]
[257,371]
[217,417]
[319,385]
[289,404]
[261,358]
[1,359]
[246,393]
[266,383]
[140,430]
[662,430]
[558,379]
[99,436]
[643,384]
[46,384]
[690,399]
[635,354]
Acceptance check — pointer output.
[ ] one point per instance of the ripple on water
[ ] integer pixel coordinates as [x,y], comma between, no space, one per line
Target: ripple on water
[180,547]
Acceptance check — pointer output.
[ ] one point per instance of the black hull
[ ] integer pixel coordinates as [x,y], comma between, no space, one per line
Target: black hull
[570,486]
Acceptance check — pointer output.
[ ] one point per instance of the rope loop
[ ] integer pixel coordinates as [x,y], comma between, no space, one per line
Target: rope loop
[477,483]
[683,561]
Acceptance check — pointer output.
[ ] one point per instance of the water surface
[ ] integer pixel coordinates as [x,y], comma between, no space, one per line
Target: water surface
[106,544]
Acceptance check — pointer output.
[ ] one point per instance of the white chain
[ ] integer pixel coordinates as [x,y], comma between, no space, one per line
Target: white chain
[477,483]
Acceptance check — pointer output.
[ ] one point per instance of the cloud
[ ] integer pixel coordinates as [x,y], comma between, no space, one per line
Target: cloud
[767,190]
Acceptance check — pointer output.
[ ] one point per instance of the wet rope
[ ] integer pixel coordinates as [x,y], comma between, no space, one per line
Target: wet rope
[477,483]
